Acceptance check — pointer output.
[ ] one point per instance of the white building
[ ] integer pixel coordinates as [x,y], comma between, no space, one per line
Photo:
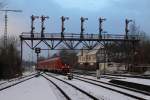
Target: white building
[97,58]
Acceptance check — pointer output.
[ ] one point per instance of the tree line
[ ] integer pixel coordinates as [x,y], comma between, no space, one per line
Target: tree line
[10,61]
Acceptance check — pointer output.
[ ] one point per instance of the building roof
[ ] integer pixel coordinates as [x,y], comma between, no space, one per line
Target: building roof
[90,52]
[82,53]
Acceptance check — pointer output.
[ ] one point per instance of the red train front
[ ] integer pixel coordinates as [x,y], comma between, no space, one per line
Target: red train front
[53,65]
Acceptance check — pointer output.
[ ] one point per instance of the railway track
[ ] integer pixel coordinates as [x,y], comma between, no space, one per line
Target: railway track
[89,74]
[109,86]
[131,76]
[62,91]
[88,96]
[16,81]
[3,83]
[111,76]
[120,86]
[17,78]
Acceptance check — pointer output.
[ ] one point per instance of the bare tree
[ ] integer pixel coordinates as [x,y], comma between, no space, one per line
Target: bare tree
[10,62]
[143,56]
[134,29]
[69,57]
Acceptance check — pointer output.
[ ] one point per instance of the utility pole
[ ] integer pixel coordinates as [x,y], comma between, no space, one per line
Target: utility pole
[6,24]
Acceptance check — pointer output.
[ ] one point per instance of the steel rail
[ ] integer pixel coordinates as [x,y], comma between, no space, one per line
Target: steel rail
[127,88]
[124,93]
[86,93]
[17,83]
[65,95]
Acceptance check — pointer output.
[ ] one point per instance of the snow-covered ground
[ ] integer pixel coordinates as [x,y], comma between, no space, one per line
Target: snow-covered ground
[34,89]
[28,73]
[123,90]
[3,81]
[99,92]
[120,78]
[39,88]
[73,93]
[14,80]
[128,79]
[92,77]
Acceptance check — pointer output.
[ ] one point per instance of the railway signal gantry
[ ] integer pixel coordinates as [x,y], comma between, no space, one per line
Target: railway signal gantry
[74,41]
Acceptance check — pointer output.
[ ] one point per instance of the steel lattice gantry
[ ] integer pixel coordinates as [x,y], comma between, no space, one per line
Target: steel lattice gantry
[74,41]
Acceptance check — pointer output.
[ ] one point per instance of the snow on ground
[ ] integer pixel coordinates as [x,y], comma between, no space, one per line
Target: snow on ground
[71,91]
[124,90]
[34,89]
[2,81]
[129,79]
[13,81]
[99,92]
[40,89]
[92,77]
[147,72]
[28,73]
[7,82]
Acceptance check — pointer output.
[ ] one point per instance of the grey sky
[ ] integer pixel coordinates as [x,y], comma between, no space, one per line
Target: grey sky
[114,10]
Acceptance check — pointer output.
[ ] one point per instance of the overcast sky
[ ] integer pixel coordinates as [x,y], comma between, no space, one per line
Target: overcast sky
[116,11]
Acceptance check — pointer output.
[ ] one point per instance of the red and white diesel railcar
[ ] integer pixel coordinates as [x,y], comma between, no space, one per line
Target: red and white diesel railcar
[53,65]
